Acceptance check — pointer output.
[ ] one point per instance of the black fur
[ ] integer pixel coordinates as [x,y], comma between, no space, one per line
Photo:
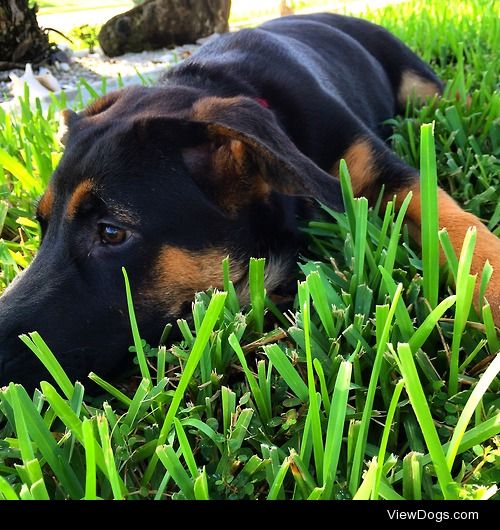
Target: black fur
[327,81]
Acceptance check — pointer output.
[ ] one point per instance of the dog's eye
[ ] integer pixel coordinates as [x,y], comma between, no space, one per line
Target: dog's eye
[112,235]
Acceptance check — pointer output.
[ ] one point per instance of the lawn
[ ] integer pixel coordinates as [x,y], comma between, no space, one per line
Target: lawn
[367,388]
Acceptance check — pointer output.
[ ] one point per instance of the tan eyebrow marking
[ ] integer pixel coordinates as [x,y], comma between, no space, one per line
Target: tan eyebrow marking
[79,193]
[46,203]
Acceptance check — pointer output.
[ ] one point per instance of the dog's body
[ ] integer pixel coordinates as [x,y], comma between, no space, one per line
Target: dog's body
[219,159]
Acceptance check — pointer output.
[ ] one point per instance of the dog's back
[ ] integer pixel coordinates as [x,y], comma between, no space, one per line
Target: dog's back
[316,57]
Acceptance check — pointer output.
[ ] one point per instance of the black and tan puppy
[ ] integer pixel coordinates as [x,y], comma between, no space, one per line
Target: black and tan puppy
[219,159]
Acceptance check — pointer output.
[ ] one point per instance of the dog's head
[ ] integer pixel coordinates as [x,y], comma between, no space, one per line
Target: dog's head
[163,183]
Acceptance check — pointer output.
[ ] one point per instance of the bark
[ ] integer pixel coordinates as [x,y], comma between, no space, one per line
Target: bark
[21,39]
[285,8]
[160,23]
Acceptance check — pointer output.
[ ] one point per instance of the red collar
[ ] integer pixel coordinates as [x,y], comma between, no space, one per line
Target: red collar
[262,102]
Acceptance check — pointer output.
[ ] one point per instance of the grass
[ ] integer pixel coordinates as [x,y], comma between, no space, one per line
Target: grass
[381,382]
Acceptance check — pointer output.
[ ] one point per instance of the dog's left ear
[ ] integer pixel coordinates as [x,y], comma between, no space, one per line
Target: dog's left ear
[248,155]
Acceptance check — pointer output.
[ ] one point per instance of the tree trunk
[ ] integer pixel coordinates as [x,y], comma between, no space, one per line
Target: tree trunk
[159,23]
[285,8]
[21,39]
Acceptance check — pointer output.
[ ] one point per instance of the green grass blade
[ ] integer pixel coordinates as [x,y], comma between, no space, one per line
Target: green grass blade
[485,279]
[173,465]
[429,214]
[137,402]
[261,402]
[38,346]
[474,399]
[429,324]
[320,302]
[449,251]
[275,488]
[257,292]
[412,476]
[491,332]
[109,460]
[318,368]
[240,431]
[200,487]
[313,412]
[228,407]
[361,206]
[347,194]
[335,428]
[425,420]
[48,447]
[211,317]
[186,450]
[110,389]
[7,491]
[89,443]
[359,452]
[365,490]
[465,291]
[285,368]
[13,166]
[143,365]
[385,437]
[475,436]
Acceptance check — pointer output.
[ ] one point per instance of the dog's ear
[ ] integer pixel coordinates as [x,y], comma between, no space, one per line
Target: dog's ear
[248,155]
[67,119]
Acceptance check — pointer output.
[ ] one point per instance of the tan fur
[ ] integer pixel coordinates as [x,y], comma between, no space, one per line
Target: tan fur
[209,108]
[361,164]
[275,273]
[79,193]
[180,273]
[46,204]
[457,221]
[102,104]
[234,182]
[414,85]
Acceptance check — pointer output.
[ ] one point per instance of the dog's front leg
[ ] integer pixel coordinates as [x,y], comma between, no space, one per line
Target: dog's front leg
[372,165]
[457,221]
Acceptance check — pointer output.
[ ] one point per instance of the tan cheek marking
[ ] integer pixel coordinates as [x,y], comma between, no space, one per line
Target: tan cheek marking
[79,193]
[413,84]
[179,274]
[46,204]
[457,221]
[361,164]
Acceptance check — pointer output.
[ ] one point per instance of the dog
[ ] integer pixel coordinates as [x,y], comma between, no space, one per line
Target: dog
[220,158]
